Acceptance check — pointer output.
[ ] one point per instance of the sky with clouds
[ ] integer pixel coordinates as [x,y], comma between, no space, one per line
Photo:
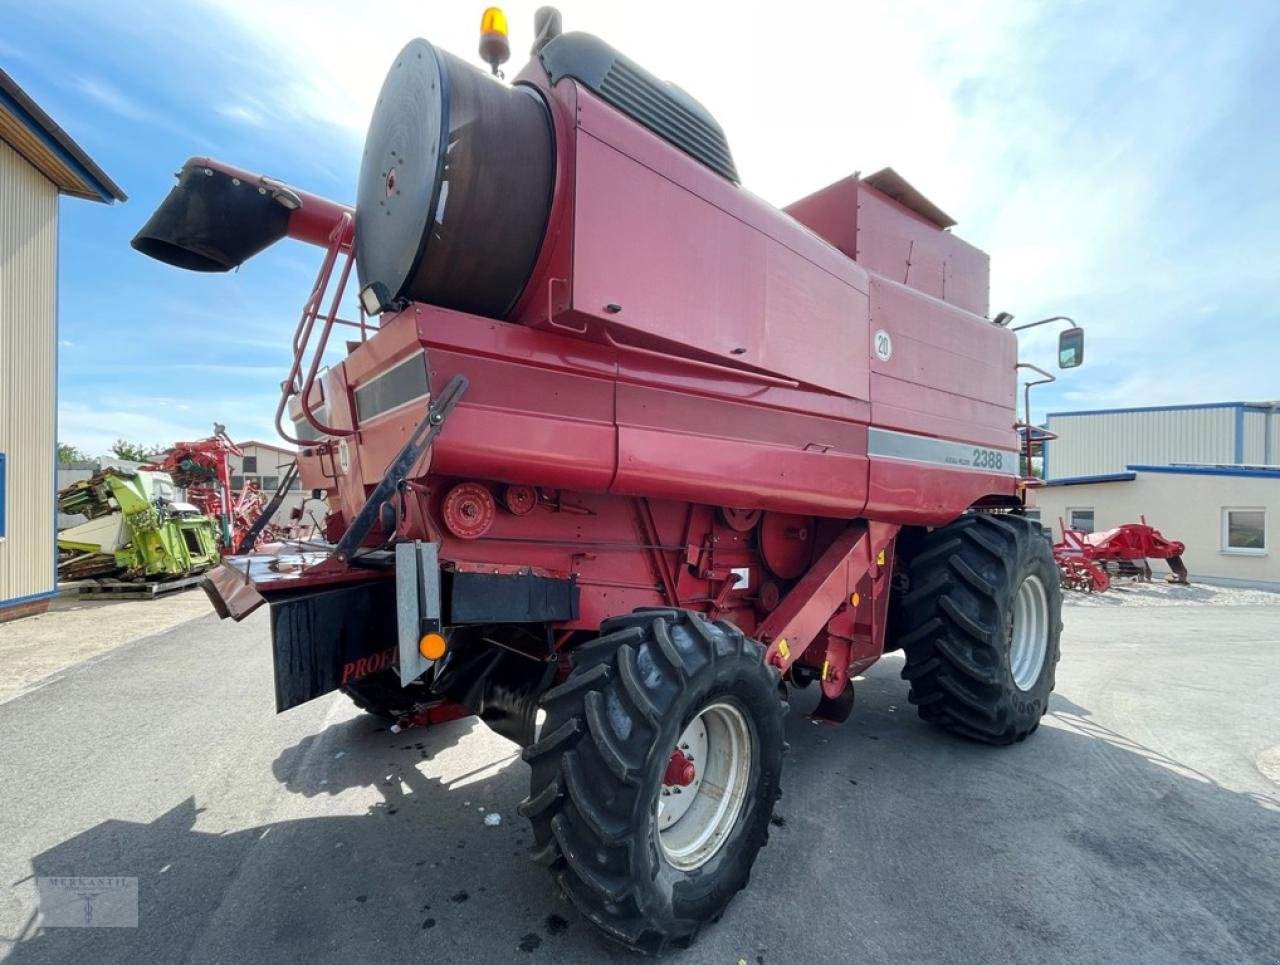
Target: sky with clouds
[1117,160]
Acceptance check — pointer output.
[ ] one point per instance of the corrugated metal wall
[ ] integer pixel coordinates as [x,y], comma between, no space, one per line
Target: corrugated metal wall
[1095,443]
[1255,438]
[28,359]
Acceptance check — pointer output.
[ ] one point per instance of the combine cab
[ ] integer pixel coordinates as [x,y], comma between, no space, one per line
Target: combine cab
[619,453]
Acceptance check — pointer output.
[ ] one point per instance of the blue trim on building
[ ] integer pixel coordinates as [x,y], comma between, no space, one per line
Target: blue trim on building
[1085,480]
[19,600]
[1155,408]
[1240,471]
[31,124]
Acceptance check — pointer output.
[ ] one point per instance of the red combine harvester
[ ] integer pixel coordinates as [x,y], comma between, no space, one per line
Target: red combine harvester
[1089,561]
[620,451]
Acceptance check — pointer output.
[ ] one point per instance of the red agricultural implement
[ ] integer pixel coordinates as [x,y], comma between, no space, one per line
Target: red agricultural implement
[202,469]
[619,452]
[1088,562]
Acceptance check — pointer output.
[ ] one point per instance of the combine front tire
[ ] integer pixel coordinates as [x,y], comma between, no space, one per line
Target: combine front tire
[980,625]
[655,774]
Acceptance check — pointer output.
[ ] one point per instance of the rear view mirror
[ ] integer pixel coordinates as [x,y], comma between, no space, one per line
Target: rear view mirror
[1071,348]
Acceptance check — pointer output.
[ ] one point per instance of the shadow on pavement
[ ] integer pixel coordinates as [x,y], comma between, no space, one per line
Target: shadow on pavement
[1118,853]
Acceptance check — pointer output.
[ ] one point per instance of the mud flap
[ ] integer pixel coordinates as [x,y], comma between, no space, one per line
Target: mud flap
[417,604]
[324,638]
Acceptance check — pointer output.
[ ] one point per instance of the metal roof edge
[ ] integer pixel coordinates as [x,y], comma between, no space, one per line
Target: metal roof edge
[19,103]
[267,445]
[1154,408]
[1245,472]
[1085,480]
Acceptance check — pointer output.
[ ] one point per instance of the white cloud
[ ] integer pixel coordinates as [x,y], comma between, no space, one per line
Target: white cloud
[244,114]
[92,426]
[114,100]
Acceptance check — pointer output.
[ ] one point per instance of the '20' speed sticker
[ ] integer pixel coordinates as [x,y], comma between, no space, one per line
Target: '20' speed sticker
[883,345]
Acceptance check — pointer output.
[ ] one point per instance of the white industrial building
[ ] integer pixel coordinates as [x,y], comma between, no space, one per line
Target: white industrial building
[265,464]
[39,163]
[1207,475]
[1215,433]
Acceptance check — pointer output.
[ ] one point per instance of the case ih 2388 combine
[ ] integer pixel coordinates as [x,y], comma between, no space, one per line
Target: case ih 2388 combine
[618,452]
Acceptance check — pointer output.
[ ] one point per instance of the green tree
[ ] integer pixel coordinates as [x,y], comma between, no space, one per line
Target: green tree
[68,453]
[132,451]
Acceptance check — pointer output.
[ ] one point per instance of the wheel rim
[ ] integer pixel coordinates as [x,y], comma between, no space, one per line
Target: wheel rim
[1028,633]
[694,820]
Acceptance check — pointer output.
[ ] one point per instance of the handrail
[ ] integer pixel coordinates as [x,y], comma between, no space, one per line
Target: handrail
[1030,479]
[341,242]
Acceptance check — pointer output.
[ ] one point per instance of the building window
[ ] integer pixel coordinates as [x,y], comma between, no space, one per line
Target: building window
[1244,530]
[270,483]
[1081,519]
[237,483]
[249,464]
[1033,515]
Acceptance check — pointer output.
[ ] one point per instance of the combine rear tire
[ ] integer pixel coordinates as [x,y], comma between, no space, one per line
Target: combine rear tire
[655,774]
[980,625]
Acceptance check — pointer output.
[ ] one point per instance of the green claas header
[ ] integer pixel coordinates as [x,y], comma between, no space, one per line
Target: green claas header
[137,529]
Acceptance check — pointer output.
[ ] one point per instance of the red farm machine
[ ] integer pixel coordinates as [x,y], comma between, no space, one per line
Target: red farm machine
[1088,562]
[620,452]
[202,470]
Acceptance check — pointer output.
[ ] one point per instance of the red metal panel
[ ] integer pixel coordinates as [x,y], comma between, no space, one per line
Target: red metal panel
[887,238]
[540,409]
[676,442]
[924,495]
[728,288]
[831,214]
[949,374]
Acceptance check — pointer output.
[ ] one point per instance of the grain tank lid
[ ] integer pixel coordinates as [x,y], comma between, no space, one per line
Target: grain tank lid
[659,105]
[892,184]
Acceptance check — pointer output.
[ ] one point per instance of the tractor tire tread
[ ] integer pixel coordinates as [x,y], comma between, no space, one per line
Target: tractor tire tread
[587,801]
[952,625]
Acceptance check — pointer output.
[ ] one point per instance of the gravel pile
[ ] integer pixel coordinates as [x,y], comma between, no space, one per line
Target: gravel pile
[1155,594]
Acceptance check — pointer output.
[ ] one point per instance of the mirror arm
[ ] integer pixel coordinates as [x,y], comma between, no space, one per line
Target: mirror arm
[1071,323]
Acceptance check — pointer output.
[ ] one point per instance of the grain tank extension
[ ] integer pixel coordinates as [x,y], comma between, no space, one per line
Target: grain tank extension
[619,455]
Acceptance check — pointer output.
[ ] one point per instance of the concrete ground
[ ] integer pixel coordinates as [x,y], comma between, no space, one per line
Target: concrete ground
[1141,824]
[36,649]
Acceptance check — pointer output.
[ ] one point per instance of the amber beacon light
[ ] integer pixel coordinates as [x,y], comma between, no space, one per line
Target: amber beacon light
[494,47]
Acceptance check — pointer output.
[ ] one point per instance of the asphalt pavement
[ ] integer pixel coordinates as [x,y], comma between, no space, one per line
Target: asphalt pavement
[1140,824]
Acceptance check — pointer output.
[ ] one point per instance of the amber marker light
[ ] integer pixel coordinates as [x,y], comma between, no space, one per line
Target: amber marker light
[432,646]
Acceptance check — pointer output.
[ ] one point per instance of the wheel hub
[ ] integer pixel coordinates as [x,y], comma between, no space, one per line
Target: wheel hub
[680,771]
[1028,633]
[704,786]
